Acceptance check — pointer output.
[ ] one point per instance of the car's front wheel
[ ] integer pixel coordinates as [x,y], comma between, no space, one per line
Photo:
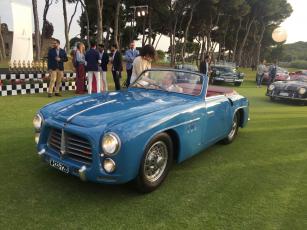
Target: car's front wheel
[156,162]
[237,83]
[234,129]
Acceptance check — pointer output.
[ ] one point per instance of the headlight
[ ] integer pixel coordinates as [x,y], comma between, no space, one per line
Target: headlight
[37,121]
[271,87]
[302,91]
[110,144]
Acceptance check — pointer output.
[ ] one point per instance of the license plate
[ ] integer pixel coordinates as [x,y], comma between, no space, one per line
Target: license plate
[59,166]
[284,94]
[229,80]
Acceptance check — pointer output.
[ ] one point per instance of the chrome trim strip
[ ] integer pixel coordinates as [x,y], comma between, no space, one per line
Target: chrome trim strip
[85,110]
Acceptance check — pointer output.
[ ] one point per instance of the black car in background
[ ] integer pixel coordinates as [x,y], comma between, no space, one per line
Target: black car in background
[227,74]
[293,90]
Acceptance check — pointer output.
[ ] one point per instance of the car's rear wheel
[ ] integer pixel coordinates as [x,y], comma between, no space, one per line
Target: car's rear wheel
[155,164]
[234,129]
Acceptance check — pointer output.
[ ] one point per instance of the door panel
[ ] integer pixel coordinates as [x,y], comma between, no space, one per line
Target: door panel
[215,119]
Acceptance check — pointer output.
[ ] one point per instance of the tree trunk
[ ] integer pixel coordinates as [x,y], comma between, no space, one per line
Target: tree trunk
[143,32]
[149,24]
[99,4]
[106,45]
[87,24]
[73,15]
[48,3]
[116,26]
[158,41]
[67,46]
[249,24]
[236,41]
[258,49]
[37,32]
[186,34]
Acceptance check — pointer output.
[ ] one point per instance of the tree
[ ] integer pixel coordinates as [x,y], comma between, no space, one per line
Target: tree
[37,31]
[99,4]
[116,23]
[65,26]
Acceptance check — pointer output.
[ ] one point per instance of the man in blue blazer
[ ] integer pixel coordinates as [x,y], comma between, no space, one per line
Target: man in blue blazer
[92,61]
[117,66]
[56,59]
[130,55]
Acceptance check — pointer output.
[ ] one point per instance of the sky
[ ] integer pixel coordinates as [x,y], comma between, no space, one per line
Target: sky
[294,25]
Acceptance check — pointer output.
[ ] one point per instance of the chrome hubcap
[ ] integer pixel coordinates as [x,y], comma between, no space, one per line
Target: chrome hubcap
[234,127]
[155,161]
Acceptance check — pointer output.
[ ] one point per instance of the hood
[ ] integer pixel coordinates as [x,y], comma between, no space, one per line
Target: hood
[290,85]
[115,107]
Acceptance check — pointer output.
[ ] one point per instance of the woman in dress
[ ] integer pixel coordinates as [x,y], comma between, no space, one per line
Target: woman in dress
[80,68]
[142,62]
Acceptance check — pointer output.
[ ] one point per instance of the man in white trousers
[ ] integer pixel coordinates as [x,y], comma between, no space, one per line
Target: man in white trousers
[92,61]
[103,68]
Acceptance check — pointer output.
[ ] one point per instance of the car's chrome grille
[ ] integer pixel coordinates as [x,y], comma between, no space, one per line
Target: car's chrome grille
[71,146]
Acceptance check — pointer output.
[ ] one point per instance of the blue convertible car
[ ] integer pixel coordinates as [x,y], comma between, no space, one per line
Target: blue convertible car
[136,134]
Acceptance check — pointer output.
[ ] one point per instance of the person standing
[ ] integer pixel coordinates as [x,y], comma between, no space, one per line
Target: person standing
[56,59]
[261,69]
[103,68]
[204,66]
[130,55]
[80,68]
[117,66]
[92,61]
[272,73]
[142,62]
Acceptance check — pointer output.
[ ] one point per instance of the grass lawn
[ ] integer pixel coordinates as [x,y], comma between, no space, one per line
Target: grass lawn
[257,182]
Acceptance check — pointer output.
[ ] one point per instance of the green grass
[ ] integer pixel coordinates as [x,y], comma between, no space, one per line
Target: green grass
[257,182]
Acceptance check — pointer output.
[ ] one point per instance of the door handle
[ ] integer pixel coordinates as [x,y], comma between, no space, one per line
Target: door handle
[210,113]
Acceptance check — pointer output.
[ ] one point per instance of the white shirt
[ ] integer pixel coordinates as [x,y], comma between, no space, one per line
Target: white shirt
[139,65]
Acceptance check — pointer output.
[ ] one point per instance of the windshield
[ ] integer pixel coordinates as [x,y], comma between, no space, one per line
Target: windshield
[175,81]
[223,69]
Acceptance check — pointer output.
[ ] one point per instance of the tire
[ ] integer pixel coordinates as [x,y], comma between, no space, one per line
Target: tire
[237,83]
[152,172]
[234,129]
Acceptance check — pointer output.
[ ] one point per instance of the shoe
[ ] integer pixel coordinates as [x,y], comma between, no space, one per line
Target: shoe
[49,94]
[58,95]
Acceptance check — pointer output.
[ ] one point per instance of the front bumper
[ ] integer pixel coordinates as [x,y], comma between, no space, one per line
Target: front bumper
[85,172]
[293,98]
[227,80]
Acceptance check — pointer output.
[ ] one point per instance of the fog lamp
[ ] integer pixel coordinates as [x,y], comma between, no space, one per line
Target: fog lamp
[109,165]
[36,138]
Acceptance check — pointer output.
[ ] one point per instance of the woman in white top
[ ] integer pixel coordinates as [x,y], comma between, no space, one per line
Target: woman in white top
[142,62]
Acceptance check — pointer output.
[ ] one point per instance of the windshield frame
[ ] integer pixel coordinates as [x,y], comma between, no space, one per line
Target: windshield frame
[204,80]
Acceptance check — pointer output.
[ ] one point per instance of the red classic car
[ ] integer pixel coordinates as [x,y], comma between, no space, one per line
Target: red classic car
[281,75]
[298,74]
